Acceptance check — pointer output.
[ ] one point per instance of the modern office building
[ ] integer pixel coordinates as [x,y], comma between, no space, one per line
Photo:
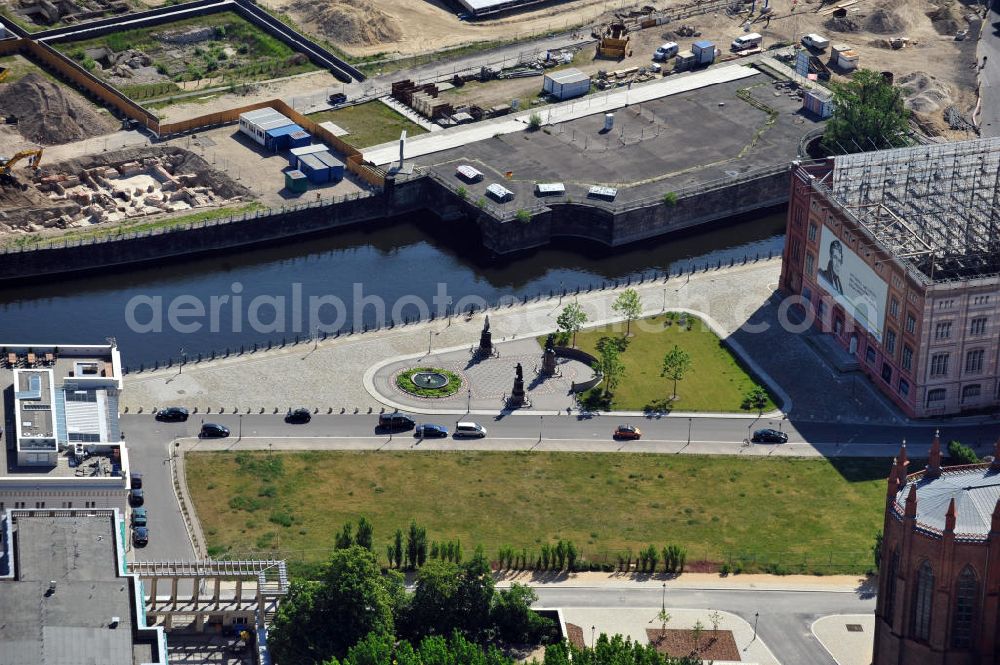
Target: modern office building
[62,445]
[939,578]
[65,595]
[896,255]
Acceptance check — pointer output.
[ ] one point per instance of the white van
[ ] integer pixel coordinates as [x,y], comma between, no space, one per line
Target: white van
[815,41]
[471,430]
[666,50]
[747,41]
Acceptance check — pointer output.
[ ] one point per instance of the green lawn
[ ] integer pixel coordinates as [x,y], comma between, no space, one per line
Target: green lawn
[800,514]
[369,124]
[715,382]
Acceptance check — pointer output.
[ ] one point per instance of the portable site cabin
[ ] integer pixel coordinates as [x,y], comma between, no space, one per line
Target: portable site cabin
[704,52]
[468,174]
[317,172]
[818,102]
[299,139]
[550,189]
[603,193]
[295,153]
[277,139]
[256,124]
[335,166]
[296,181]
[566,84]
[499,193]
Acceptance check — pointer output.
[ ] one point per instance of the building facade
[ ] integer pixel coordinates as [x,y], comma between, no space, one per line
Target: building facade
[939,573]
[896,254]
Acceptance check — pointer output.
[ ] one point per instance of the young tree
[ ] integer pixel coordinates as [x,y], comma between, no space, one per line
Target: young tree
[365,531]
[611,366]
[629,305]
[560,555]
[571,320]
[755,399]
[344,539]
[715,618]
[877,549]
[697,631]
[571,556]
[676,364]
[412,544]
[664,618]
[397,552]
[868,114]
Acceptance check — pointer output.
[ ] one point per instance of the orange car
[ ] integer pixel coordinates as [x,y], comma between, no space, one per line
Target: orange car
[628,432]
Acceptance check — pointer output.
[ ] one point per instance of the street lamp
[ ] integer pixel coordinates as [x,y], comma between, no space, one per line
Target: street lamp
[430,333]
[592,629]
[241,428]
[663,602]
[180,368]
[468,406]
[690,422]
[755,616]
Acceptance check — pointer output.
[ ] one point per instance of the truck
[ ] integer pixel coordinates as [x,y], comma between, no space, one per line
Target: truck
[818,42]
[666,50]
[747,41]
[704,52]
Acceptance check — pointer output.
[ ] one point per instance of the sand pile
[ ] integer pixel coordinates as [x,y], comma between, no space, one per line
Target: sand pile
[945,20]
[49,114]
[925,93]
[885,22]
[841,24]
[355,22]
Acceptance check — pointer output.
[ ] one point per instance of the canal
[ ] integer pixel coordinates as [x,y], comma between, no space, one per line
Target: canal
[399,261]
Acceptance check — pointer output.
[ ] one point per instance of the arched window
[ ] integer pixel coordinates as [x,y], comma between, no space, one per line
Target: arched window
[923,597]
[890,588]
[964,613]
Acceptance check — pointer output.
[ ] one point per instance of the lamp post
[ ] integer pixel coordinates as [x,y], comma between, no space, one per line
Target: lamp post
[663,601]
[180,368]
[592,629]
[690,422]
[430,333]
[468,405]
[241,428]
[755,616]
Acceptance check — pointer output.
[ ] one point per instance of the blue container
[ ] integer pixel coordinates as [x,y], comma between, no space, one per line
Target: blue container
[277,139]
[336,166]
[299,139]
[317,172]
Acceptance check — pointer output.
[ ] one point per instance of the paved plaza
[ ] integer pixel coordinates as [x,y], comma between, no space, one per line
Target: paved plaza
[849,638]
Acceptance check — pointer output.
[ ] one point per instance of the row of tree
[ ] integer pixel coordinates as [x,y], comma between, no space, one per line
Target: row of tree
[673,557]
[561,556]
[376,649]
[321,620]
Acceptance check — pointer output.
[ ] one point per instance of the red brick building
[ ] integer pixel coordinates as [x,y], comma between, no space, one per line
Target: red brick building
[896,255]
[939,575]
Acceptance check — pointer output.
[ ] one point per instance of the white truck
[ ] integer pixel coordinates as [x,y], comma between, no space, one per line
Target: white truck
[747,41]
[815,41]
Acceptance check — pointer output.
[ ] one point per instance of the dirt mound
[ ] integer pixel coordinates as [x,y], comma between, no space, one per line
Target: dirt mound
[885,22]
[50,114]
[841,24]
[355,22]
[945,20]
[924,94]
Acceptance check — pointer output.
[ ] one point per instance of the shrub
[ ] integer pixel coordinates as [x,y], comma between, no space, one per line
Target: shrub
[961,453]
[281,517]
[670,198]
[481,202]
[724,570]
[534,122]
[88,63]
[462,193]
[522,216]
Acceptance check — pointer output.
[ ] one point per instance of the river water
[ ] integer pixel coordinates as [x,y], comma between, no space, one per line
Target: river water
[401,262]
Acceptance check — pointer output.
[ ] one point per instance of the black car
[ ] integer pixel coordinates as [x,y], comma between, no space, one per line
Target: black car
[172,414]
[337,98]
[769,436]
[395,422]
[213,431]
[298,416]
[136,481]
[136,497]
[431,431]
[140,536]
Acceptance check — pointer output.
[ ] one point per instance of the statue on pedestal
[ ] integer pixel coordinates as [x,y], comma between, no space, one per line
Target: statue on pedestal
[517,395]
[486,339]
[549,357]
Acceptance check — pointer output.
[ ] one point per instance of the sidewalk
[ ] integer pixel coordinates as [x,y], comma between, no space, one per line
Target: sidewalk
[703,581]
[738,303]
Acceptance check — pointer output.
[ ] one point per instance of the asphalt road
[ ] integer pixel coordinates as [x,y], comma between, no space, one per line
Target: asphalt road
[785,617]
[148,443]
[989,76]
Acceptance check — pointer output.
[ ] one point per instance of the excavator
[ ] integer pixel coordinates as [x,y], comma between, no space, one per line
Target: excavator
[33,156]
[3,73]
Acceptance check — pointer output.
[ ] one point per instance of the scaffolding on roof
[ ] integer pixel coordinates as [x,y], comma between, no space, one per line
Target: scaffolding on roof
[934,207]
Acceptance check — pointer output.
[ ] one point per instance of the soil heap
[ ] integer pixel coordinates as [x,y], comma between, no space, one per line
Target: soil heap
[49,114]
[354,22]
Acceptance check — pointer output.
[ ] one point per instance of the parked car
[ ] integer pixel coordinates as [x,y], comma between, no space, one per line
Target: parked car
[337,98]
[629,432]
[139,517]
[769,436]
[665,51]
[136,497]
[470,430]
[430,431]
[213,431]
[298,416]
[140,536]
[395,422]
[136,480]
[172,414]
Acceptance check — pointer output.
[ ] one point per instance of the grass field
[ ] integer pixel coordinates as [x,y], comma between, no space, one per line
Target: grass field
[369,124]
[803,514]
[715,382]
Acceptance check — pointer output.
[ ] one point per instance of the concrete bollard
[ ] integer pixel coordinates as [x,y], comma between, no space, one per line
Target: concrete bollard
[355,409]
[343,410]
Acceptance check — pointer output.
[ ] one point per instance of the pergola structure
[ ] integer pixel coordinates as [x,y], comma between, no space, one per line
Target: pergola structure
[934,207]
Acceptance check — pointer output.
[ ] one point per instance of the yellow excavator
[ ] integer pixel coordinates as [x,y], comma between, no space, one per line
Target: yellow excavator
[3,73]
[33,156]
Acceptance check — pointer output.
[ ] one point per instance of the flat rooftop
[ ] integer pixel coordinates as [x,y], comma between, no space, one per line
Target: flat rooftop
[73,623]
[931,206]
[685,140]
